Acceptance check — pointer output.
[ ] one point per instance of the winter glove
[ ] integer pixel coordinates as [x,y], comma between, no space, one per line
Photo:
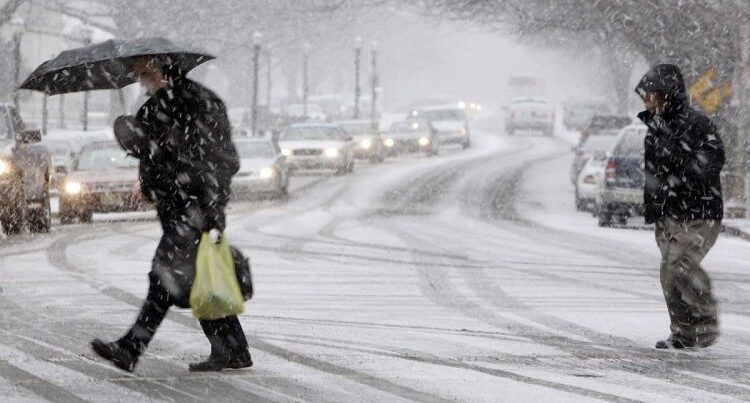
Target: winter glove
[215,235]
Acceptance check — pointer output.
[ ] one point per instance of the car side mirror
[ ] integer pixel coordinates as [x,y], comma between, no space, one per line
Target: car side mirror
[349,138]
[600,156]
[30,136]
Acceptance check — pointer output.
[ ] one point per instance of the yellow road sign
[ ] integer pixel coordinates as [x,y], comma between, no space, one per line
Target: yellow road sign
[709,94]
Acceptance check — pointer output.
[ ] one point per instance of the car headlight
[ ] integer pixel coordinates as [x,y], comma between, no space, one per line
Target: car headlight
[366,144]
[266,172]
[4,167]
[286,152]
[423,141]
[73,188]
[332,152]
[462,131]
[388,142]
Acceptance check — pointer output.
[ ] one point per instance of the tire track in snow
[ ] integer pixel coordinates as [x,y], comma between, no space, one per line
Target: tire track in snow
[59,260]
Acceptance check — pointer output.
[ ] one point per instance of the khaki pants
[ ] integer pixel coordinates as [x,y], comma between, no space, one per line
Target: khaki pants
[687,288]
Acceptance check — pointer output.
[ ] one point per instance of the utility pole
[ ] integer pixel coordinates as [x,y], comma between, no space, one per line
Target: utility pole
[740,184]
[254,106]
[357,89]
[374,83]
[17,67]
[305,76]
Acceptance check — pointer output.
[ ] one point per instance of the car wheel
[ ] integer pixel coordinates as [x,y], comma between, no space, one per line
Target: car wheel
[466,144]
[510,132]
[66,218]
[581,204]
[86,216]
[39,220]
[350,166]
[604,216]
[13,221]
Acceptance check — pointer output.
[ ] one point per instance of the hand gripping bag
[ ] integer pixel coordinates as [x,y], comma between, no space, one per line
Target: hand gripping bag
[216,292]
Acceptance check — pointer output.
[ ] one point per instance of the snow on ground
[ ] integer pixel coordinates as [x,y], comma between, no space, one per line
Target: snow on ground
[463,277]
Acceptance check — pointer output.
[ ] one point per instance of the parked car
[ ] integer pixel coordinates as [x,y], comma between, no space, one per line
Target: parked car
[369,141]
[62,153]
[104,180]
[532,114]
[318,146]
[577,114]
[586,149]
[449,121]
[413,135]
[24,176]
[600,123]
[622,194]
[590,178]
[263,170]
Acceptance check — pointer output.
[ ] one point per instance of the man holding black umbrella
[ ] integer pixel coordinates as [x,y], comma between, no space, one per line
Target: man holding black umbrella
[181,136]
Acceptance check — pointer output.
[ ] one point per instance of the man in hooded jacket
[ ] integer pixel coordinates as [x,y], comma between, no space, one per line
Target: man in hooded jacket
[684,156]
[181,136]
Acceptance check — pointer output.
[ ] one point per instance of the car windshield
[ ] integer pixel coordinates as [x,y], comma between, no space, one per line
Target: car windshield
[599,143]
[441,114]
[311,133]
[356,129]
[256,149]
[61,148]
[406,126]
[105,158]
[632,143]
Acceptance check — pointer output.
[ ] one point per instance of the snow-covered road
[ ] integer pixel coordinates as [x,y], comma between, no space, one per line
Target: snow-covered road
[465,277]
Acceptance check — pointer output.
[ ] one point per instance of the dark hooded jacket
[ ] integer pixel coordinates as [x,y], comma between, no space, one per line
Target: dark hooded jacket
[684,154]
[188,158]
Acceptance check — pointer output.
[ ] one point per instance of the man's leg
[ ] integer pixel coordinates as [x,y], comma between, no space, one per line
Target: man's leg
[124,352]
[152,313]
[696,310]
[229,347]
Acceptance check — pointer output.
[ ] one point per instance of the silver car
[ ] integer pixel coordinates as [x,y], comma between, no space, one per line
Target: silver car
[368,139]
[318,146]
[263,170]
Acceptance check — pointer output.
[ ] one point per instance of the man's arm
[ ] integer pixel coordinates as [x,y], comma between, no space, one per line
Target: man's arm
[707,150]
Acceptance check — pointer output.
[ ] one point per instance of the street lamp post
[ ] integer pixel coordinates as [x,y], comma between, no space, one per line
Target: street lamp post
[357,89]
[305,76]
[268,79]
[86,94]
[254,105]
[374,83]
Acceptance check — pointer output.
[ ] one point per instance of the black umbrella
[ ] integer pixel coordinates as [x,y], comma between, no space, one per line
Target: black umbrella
[106,65]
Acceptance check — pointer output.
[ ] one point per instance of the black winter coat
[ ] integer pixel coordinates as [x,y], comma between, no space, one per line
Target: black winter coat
[684,154]
[189,159]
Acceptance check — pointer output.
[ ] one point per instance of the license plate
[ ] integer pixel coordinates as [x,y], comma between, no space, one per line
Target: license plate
[111,199]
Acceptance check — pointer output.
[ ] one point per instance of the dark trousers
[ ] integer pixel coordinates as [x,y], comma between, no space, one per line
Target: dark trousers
[225,335]
[170,281]
[686,285]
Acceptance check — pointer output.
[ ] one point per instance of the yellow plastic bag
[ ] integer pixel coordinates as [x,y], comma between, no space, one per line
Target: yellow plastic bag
[216,292]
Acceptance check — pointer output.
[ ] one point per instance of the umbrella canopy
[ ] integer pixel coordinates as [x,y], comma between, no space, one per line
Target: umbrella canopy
[106,65]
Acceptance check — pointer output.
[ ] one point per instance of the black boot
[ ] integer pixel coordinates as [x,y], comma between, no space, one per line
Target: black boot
[217,362]
[675,341]
[115,353]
